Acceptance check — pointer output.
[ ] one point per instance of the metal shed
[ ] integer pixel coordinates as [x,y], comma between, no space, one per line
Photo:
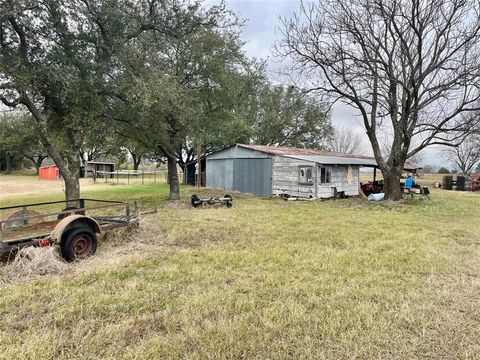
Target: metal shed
[268,170]
[239,168]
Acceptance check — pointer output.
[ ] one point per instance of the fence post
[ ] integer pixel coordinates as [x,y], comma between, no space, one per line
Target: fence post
[25,214]
[155,176]
[128,177]
[117,176]
[143,172]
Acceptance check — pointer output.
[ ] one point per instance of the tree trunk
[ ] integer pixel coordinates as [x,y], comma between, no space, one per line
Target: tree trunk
[8,161]
[173,178]
[72,189]
[391,185]
[136,162]
[71,178]
[38,164]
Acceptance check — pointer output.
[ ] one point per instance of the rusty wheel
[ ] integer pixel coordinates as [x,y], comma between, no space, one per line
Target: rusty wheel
[81,245]
[78,244]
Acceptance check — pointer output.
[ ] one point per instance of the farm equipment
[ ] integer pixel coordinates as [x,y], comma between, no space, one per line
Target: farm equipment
[375,187]
[73,229]
[226,200]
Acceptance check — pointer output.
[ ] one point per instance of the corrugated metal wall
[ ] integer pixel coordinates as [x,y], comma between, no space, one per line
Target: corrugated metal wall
[253,176]
[245,175]
[240,169]
[220,173]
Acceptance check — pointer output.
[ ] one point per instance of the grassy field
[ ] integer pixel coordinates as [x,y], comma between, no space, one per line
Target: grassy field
[18,186]
[266,279]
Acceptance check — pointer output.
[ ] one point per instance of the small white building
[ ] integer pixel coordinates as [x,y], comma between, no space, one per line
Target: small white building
[269,170]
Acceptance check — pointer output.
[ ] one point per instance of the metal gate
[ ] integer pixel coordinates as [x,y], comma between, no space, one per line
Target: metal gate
[253,176]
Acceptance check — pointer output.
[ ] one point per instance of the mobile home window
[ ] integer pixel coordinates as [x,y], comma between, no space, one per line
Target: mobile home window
[305,175]
[325,174]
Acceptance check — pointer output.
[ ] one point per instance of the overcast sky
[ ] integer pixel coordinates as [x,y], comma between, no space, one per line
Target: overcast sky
[260,33]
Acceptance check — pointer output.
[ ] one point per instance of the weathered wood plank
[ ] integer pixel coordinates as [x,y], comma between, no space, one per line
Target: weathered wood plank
[285,178]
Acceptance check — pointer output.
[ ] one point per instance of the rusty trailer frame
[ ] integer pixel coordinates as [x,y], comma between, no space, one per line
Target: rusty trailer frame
[26,229]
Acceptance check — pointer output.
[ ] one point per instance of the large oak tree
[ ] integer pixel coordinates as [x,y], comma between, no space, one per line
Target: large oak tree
[58,57]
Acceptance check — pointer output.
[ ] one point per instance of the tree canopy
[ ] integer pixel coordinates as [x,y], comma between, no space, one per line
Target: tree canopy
[19,138]
[59,58]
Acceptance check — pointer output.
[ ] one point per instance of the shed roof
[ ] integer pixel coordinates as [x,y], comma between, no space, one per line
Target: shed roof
[336,160]
[319,156]
[283,151]
[322,156]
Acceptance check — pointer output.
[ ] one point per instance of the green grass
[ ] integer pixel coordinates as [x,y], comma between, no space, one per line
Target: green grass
[265,279]
[148,194]
[22,172]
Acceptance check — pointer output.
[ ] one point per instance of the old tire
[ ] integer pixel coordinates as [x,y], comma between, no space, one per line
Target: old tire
[195,200]
[229,202]
[78,243]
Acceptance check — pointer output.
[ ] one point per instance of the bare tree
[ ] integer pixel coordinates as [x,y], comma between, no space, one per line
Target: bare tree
[416,159]
[465,155]
[345,140]
[410,68]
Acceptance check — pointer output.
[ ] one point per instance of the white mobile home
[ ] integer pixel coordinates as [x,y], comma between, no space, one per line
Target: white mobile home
[269,170]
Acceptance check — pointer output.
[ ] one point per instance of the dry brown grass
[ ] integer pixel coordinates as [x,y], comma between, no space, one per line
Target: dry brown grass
[17,186]
[268,278]
[33,262]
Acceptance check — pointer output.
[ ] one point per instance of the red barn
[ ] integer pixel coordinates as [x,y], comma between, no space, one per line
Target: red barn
[48,173]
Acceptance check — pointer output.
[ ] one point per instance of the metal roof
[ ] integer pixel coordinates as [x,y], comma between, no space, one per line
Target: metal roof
[318,156]
[322,156]
[335,160]
[283,151]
